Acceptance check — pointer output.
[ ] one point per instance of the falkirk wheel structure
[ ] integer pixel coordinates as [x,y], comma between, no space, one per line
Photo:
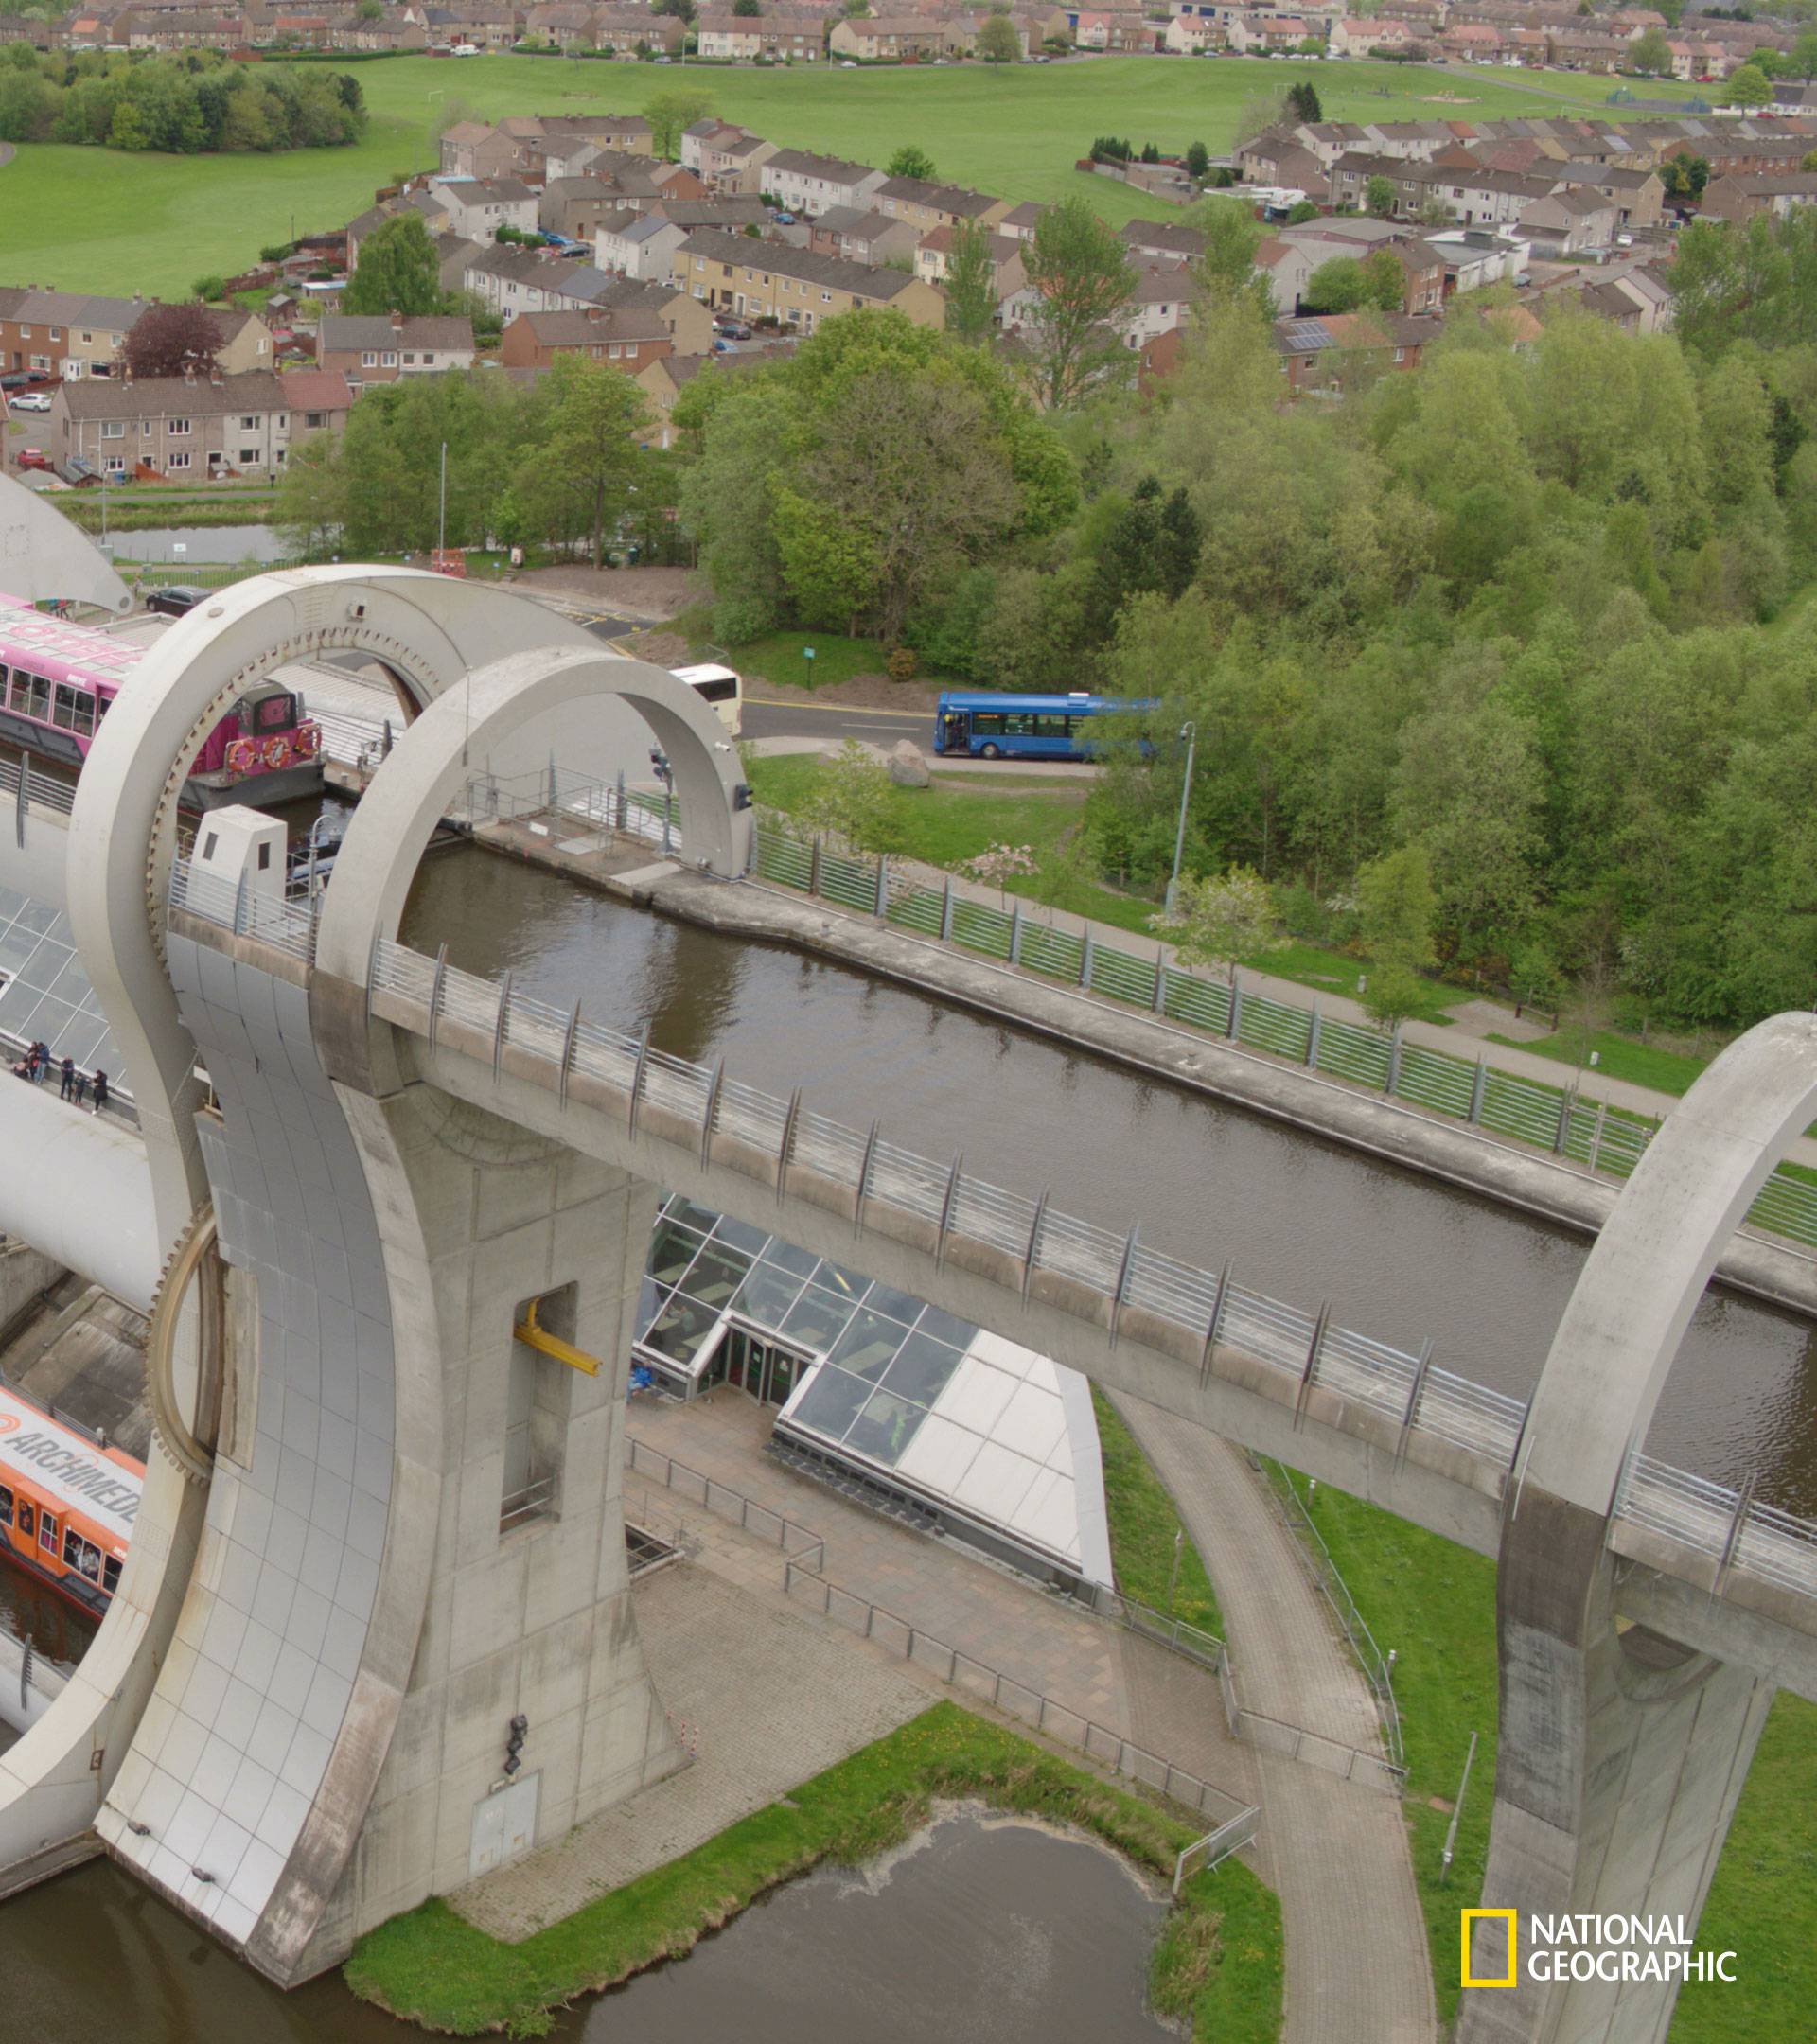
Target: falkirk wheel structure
[291,1721]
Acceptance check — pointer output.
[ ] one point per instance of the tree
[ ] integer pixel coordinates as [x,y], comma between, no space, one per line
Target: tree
[681,9]
[172,339]
[399,270]
[1259,112]
[1300,212]
[971,285]
[853,801]
[1302,102]
[669,112]
[1650,53]
[1336,286]
[1378,196]
[368,11]
[912,161]
[744,9]
[1082,278]
[1222,919]
[1384,283]
[1397,908]
[1198,161]
[584,454]
[997,40]
[998,865]
[1748,87]
[1804,54]
[210,289]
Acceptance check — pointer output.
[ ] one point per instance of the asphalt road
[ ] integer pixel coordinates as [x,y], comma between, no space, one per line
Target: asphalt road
[783,716]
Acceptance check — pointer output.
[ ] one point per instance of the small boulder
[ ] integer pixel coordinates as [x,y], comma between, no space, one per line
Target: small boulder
[908,767]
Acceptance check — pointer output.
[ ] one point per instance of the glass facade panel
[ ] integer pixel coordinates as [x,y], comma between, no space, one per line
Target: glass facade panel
[832,1402]
[766,1295]
[922,1371]
[816,1320]
[680,1326]
[869,1345]
[672,1249]
[884,1428]
[48,993]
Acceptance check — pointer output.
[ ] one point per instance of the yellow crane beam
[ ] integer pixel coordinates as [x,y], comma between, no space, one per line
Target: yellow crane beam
[531,1331]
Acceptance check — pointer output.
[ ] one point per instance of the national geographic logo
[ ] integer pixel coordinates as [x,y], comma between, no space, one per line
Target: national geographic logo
[1560,1949]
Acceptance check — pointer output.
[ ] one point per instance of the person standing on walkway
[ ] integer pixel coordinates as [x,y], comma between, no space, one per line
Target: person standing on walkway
[69,1079]
[101,1090]
[80,1093]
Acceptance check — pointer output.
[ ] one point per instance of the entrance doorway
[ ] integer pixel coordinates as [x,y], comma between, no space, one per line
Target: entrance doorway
[767,1371]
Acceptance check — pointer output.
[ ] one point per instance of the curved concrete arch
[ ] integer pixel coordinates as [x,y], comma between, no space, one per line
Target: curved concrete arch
[1613,1793]
[378,856]
[44,557]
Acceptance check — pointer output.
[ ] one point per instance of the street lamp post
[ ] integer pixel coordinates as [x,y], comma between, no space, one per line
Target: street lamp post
[1191,733]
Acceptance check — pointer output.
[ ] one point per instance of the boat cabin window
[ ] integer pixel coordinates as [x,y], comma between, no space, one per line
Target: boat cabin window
[30,695]
[80,1555]
[27,1523]
[270,714]
[75,710]
[111,1574]
[47,1532]
[6,1506]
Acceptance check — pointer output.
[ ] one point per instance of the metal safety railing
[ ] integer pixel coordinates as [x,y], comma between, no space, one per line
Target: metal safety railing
[798,1541]
[990,1685]
[1105,1277]
[1590,1133]
[572,801]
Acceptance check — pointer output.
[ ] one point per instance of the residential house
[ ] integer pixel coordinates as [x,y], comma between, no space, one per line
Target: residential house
[795,286]
[1284,164]
[1162,300]
[1586,50]
[725,158]
[663,379]
[1250,32]
[1740,197]
[687,319]
[245,342]
[806,184]
[1008,274]
[1638,195]
[1338,350]
[1566,223]
[318,401]
[574,206]
[629,337]
[925,205]
[66,334]
[179,427]
[1472,41]
[1365,38]
[1166,240]
[639,245]
[1125,32]
[889,38]
[774,36]
[1022,221]
[862,236]
[1192,35]
[382,347]
[475,208]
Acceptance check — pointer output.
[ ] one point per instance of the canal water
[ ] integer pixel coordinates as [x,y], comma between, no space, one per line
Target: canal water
[1398,1256]
[978,1932]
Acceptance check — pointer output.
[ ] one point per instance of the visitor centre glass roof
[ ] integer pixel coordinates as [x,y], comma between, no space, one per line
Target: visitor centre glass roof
[44,992]
[897,1386]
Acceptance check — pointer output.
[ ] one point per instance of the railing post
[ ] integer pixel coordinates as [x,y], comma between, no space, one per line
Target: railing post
[1393,1085]
[946,912]
[499,1028]
[435,989]
[1479,1081]
[1410,1419]
[1216,1325]
[240,904]
[569,1038]
[1732,1540]
[624,800]
[711,1113]
[636,1075]
[1307,1375]
[1564,1135]
[1235,1019]
[1160,979]
[1312,1038]
[1085,957]
[883,886]
[788,1145]
[864,1176]
[1595,1140]
[947,1206]
[1034,1245]
[814,868]
[1015,935]
[19,807]
[1122,1285]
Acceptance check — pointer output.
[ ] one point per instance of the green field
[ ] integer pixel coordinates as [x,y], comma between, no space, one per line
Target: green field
[101,220]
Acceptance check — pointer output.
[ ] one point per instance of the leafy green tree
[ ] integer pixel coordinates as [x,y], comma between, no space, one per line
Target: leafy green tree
[1232,235]
[1221,919]
[1198,161]
[1378,196]
[1384,283]
[1300,212]
[1651,54]
[1804,54]
[669,112]
[746,10]
[997,40]
[911,161]
[1258,112]
[853,801]
[1748,87]
[971,285]
[397,270]
[1302,102]
[1336,286]
[1397,908]
[1082,278]
[585,460]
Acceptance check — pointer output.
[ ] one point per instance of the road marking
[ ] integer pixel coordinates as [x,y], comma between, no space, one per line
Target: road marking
[783,702]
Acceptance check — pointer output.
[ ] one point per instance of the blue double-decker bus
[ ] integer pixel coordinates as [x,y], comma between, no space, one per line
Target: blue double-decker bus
[991,725]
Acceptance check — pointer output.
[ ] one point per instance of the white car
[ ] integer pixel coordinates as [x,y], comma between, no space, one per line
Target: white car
[466,49]
[29,401]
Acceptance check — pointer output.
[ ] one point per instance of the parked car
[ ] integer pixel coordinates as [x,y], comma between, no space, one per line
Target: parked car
[174,600]
[29,401]
[32,457]
[466,49]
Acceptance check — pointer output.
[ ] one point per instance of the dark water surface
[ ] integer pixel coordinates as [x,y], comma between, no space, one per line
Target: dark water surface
[1399,1256]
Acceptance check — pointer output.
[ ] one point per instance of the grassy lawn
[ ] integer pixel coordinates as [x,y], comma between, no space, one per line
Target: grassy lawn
[1619,1057]
[780,659]
[1434,1604]
[1218,1959]
[103,220]
[1144,1527]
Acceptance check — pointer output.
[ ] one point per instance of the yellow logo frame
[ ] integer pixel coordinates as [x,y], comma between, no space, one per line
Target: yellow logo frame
[1509,1916]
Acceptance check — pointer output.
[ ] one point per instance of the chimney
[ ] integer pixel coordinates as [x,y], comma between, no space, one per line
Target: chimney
[213,374]
[396,323]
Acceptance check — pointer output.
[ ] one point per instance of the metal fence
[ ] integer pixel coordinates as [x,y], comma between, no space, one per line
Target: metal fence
[572,801]
[1215,1847]
[1378,1668]
[986,1685]
[799,1543]
[1104,1278]
[1175,1634]
[1587,1132]
[1313,1749]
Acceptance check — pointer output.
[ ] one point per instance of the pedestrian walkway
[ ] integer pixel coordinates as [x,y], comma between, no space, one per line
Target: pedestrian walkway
[1042,1641]
[1358,1964]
